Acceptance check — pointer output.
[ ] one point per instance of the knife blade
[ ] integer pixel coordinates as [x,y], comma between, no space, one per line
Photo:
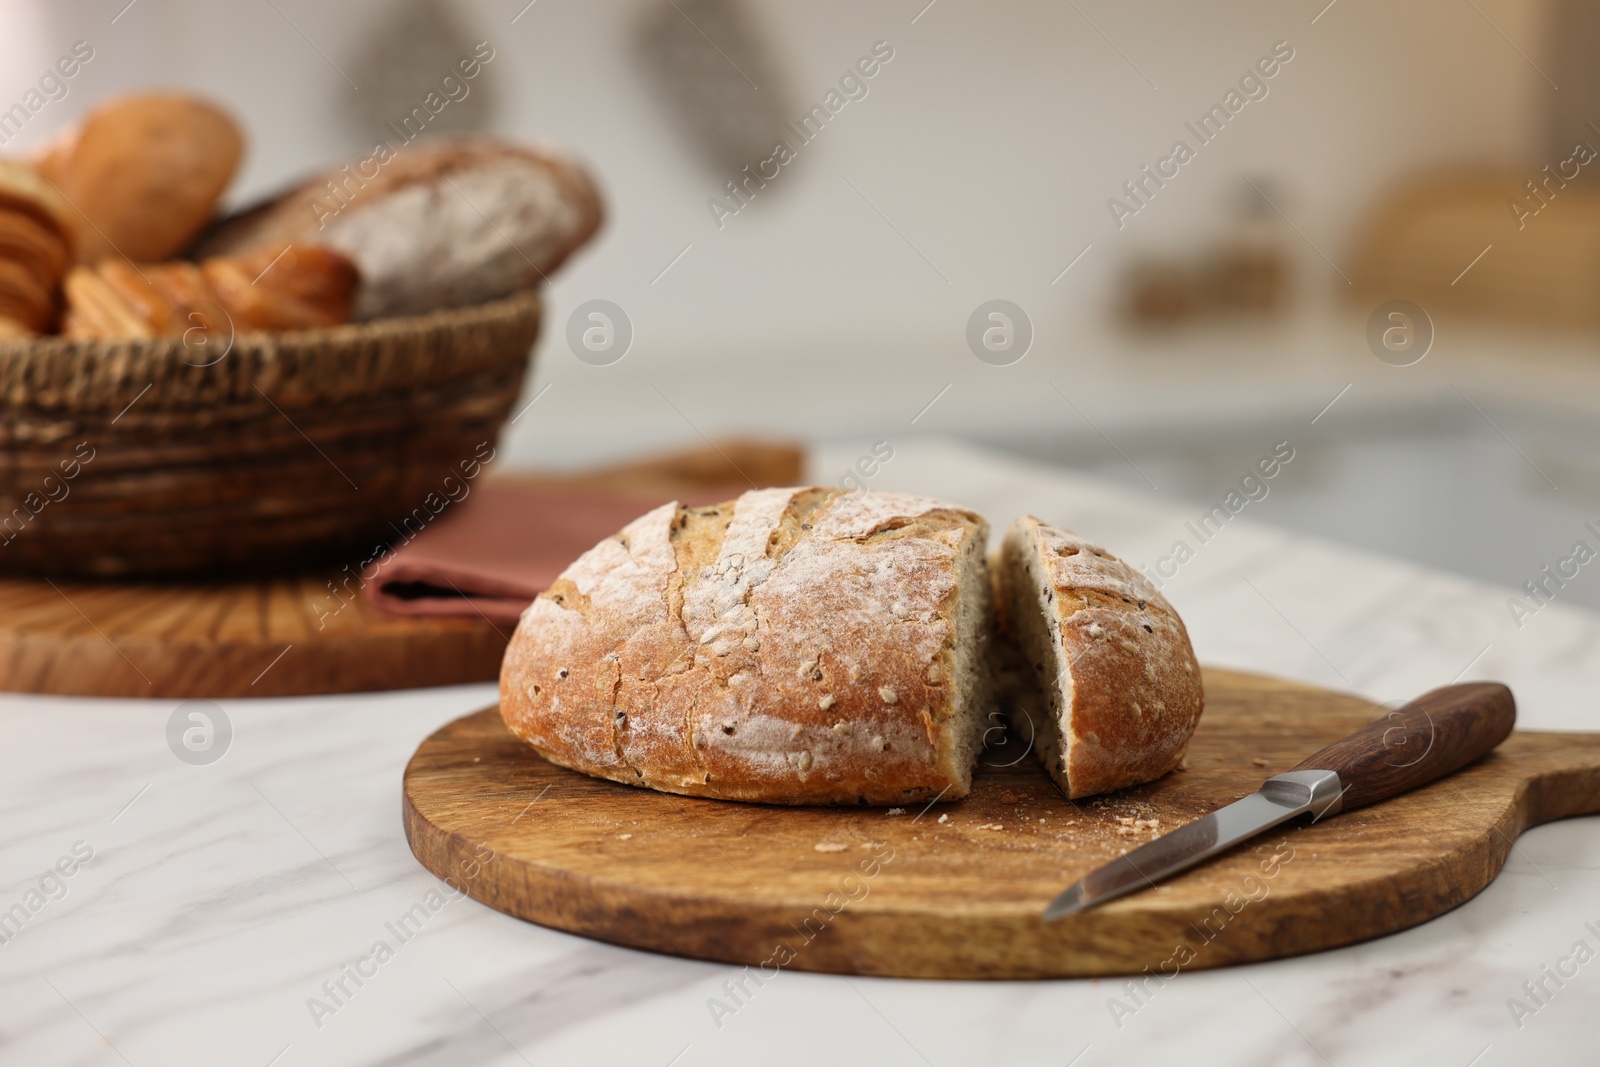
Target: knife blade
[1438,733]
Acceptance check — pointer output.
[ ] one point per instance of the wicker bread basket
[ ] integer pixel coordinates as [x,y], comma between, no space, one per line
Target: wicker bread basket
[156,457]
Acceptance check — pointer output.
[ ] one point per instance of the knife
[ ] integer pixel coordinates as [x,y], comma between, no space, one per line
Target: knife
[1439,732]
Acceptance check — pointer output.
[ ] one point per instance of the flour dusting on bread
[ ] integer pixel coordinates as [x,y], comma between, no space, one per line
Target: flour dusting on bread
[794,646]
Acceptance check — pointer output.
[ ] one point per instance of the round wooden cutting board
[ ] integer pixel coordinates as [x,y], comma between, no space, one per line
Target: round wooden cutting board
[271,637]
[955,890]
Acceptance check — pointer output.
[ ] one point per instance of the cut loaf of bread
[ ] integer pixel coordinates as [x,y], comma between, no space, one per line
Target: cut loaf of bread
[794,646]
[812,646]
[1110,691]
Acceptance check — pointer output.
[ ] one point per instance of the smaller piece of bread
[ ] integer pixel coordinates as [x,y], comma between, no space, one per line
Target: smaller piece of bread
[445,222]
[293,288]
[143,174]
[1111,689]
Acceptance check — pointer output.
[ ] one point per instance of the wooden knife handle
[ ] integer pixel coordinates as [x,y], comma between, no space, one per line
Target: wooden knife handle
[1437,733]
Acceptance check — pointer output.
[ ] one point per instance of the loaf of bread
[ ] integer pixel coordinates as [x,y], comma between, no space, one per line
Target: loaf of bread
[35,246]
[434,223]
[793,646]
[143,173]
[292,288]
[1110,689]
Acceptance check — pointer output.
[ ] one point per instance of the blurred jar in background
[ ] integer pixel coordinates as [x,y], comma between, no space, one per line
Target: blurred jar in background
[1244,273]
[1249,273]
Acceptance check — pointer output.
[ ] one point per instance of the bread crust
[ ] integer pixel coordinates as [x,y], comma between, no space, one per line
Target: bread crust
[26,190]
[296,287]
[444,222]
[1127,688]
[146,171]
[35,246]
[793,647]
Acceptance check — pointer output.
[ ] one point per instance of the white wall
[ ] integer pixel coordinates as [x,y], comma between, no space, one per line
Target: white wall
[991,142]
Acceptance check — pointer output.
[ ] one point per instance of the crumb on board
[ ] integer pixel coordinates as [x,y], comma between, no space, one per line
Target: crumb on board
[945,817]
[1259,762]
[1009,798]
[623,837]
[829,846]
[897,811]
[991,826]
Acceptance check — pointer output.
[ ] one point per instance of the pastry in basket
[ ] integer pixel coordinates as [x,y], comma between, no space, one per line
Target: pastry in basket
[35,246]
[814,646]
[291,288]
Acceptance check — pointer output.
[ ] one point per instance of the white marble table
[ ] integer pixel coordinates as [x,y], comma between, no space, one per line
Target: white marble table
[220,898]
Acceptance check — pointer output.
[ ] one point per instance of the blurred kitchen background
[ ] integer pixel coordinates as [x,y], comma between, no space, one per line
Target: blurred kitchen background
[1244,299]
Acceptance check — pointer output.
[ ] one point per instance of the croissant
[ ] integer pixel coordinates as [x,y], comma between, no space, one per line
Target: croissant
[292,287]
[35,246]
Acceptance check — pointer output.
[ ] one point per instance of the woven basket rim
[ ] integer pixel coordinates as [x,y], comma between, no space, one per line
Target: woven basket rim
[57,374]
[56,347]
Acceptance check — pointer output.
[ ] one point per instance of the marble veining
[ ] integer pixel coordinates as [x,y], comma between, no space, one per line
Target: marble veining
[219,899]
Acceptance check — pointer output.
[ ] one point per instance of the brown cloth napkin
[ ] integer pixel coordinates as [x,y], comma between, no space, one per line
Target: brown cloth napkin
[492,553]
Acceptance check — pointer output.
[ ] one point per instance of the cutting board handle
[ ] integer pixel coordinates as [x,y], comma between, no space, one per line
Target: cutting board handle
[1434,735]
